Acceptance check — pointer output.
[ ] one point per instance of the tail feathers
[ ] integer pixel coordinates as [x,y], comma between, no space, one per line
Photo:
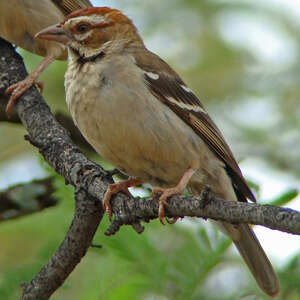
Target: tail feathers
[250,249]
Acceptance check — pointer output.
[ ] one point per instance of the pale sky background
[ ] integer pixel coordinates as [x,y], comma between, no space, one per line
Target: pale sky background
[280,246]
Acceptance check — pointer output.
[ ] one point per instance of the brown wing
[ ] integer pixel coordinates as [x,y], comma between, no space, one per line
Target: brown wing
[68,6]
[168,87]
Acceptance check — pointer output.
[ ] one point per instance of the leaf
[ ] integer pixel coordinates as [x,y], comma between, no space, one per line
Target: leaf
[285,197]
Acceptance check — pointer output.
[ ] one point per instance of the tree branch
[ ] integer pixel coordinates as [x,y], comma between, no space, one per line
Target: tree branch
[78,238]
[91,181]
[273,217]
[26,198]
[57,148]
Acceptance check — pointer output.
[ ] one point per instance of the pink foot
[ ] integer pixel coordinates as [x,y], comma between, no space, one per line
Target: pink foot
[116,188]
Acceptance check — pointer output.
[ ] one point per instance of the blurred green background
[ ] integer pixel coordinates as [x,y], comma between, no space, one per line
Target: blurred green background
[242,59]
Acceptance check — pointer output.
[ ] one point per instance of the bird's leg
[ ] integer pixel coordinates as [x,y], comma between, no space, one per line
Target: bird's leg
[17,89]
[168,192]
[115,188]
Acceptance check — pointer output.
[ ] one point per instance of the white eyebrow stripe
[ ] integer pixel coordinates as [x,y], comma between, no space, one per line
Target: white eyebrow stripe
[186,106]
[153,76]
[94,19]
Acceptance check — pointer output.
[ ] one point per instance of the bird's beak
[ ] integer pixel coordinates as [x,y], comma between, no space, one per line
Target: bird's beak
[54,33]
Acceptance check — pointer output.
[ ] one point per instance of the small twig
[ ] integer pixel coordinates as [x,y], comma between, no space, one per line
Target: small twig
[205,196]
[96,246]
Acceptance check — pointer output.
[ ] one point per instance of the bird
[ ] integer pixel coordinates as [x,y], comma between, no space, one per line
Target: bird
[136,112]
[20,20]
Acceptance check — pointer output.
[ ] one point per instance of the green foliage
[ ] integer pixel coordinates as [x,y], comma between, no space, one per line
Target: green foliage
[285,197]
[289,277]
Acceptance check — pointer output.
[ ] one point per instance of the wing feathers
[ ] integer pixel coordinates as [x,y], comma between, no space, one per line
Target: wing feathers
[168,87]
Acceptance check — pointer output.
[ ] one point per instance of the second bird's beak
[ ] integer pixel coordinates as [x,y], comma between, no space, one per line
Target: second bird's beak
[54,33]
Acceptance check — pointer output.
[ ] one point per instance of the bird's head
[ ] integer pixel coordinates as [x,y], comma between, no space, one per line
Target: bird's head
[92,30]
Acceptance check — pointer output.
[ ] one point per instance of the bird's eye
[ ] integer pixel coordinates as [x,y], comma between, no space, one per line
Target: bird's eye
[83,27]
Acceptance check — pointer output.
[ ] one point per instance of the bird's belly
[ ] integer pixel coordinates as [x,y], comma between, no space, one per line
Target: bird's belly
[138,134]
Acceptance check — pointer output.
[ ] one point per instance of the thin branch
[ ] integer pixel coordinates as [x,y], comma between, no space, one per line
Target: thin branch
[26,198]
[91,181]
[78,238]
[273,217]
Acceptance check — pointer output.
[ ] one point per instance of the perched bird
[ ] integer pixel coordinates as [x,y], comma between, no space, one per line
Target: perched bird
[20,20]
[139,115]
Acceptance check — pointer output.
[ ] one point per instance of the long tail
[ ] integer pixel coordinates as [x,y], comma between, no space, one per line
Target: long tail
[250,249]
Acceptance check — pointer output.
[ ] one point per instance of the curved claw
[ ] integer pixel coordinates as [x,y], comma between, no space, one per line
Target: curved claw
[168,192]
[22,86]
[172,220]
[114,189]
[40,85]
[18,89]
